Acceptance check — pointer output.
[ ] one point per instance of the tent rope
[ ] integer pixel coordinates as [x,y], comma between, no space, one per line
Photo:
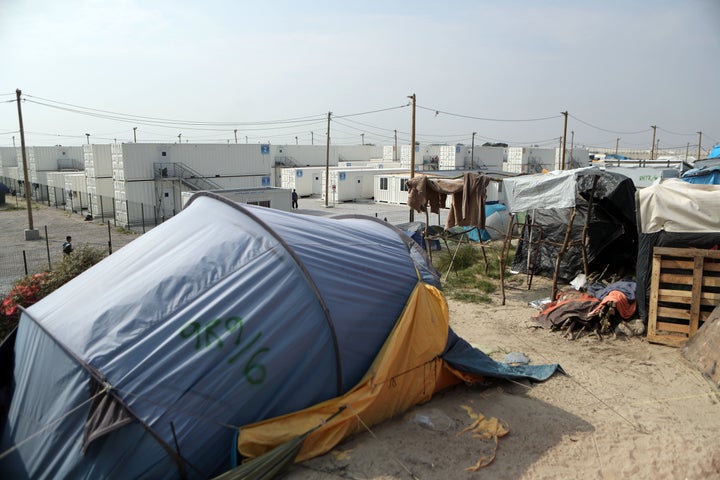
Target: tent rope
[53,423]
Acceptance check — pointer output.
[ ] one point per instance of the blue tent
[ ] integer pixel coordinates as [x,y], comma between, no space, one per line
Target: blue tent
[146,365]
[715,152]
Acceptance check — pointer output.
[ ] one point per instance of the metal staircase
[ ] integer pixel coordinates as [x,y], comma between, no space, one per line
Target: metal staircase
[184,174]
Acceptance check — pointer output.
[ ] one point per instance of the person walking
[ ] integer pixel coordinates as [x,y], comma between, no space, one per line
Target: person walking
[67,247]
[294,200]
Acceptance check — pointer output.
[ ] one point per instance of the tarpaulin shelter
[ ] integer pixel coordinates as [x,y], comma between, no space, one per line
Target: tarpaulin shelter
[552,200]
[558,236]
[149,363]
[673,213]
[708,175]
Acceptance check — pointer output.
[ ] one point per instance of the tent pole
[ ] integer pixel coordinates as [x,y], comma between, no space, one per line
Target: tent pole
[584,239]
[561,253]
[506,243]
[428,248]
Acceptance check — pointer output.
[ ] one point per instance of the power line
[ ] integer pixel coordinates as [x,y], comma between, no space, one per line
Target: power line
[438,111]
[607,130]
[178,122]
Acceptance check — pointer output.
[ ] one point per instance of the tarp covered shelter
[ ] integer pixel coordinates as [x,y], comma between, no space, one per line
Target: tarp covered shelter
[673,213]
[148,364]
[549,200]
[709,175]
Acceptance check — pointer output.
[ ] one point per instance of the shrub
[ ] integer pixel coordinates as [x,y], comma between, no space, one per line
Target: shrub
[32,288]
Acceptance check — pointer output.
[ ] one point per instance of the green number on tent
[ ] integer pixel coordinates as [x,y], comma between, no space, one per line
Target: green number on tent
[192,328]
[209,333]
[251,366]
[234,323]
[245,348]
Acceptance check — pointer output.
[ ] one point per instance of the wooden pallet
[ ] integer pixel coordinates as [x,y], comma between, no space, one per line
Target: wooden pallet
[684,289]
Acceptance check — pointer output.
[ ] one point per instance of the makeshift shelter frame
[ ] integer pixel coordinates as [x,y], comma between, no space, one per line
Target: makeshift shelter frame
[567,243]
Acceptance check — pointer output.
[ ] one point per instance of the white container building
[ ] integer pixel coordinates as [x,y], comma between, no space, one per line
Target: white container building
[353,184]
[270,197]
[305,180]
[56,188]
[531,160]
[76,195]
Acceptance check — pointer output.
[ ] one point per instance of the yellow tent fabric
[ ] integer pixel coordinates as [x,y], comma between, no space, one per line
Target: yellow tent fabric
[407,371]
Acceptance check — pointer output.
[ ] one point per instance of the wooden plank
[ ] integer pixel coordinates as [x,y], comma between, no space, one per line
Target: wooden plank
[711,282]
[711,298]
[686,252]
[670,340]
[653,300]
[712,267]
[676,278]
[671,327]
[695,303]
[677,313]
[677,264]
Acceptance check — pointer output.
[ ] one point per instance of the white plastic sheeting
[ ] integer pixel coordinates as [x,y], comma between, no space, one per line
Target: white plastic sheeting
[556,189]
[678,206]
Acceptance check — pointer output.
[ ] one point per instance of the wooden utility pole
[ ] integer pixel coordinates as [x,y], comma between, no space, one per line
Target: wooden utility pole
[565,113]
[412,150]
[395,148]
[699,145]
[362,138]
[312,138]
[472,152]
[652,148]
[235,132]
[327,161]
[617,144]
[134,134]
[26,177]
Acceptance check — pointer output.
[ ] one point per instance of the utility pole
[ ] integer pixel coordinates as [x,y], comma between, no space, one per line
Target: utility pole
[617,144]
[687,150]
[362,138]
[30,233]
[246,141]
[394,148]
[88,138]
[564,139]
[652,148]
[312,138]
[296,140]
[472,152]
[699,145]
[179,137]
[572,144]
[657,147]
[134,134]
[412,150]
[235,131]
[327,161]
[13,141]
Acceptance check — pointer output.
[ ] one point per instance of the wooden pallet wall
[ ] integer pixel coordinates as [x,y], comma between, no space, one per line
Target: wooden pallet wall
[684,289]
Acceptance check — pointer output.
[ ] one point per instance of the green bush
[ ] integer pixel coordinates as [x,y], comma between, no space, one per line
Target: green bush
[32,288]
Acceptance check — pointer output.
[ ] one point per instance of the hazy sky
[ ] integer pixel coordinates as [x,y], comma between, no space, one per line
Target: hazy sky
[274,69]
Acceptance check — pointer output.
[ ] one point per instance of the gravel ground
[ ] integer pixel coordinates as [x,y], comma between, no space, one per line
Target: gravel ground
[55,224]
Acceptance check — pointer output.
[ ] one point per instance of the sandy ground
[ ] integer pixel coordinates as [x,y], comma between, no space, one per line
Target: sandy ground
[625,409]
